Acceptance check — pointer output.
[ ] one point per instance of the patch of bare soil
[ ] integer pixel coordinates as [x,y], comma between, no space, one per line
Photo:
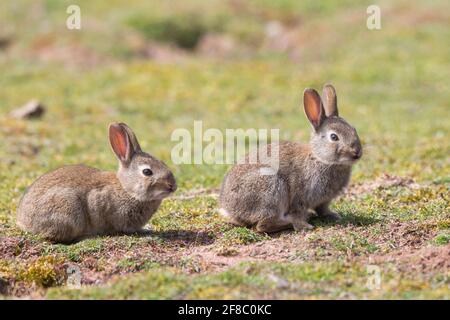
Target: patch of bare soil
[428,260]
[404,235]
[385,181]
[100,266]
[327,243]
[97,265]
[19,248]
[217,46]
[71,55]
[162,53]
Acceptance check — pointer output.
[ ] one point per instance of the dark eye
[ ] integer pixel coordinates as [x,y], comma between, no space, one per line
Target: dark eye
[147,172]
[334,137]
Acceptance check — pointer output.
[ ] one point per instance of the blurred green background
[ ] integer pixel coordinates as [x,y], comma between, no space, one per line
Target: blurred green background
[160,65]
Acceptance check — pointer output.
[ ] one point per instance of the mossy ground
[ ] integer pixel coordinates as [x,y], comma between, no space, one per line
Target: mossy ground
[392,86]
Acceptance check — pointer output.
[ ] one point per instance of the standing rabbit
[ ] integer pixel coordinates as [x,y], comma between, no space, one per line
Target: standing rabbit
[308,177]
[76,201]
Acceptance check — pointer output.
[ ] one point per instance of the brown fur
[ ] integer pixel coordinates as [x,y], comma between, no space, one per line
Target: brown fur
[308,177]
[77,201]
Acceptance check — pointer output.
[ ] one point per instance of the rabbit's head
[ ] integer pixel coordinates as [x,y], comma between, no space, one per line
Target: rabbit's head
[143,176]
[333,141]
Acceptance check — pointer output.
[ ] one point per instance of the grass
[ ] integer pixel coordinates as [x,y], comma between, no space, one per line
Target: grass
[240,235]
[262,280]
[184,31]
[392,86]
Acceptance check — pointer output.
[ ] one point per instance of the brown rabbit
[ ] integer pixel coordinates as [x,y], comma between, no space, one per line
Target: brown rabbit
[308,177]
[76,201]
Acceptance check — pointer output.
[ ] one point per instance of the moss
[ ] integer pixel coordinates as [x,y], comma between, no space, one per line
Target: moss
[75,252]
[45,271]
[242,235]
[442,239]
[6,269]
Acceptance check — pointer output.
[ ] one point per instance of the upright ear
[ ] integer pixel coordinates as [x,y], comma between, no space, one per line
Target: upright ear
[330,101]
[313,107]
[120,143]
[134,142]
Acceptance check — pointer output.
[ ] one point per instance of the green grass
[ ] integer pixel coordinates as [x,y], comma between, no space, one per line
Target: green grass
[262,280]
[392,86]
[442,239]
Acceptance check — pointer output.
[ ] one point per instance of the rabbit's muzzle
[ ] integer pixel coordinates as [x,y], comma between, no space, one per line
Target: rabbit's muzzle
[165,186]
[355,150]
[356,154]
[171,187]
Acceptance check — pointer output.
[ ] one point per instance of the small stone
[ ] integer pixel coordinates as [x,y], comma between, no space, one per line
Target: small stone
[32,109]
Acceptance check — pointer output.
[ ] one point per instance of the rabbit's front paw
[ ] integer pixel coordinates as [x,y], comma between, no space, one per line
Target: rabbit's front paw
[301,225]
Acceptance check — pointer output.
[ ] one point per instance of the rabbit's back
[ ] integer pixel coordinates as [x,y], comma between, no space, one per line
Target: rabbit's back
[76,179]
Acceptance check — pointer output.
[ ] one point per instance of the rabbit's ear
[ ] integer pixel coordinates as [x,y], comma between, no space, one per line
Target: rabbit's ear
[330,101]
[313,107]
[132,137]
[120,143]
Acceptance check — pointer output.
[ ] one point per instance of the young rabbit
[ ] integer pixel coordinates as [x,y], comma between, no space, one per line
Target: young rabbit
[308,177]
[76,201]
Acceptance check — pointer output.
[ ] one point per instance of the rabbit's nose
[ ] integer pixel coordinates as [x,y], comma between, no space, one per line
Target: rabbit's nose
[356,156]
[169,181]
[357,153]
[172,186]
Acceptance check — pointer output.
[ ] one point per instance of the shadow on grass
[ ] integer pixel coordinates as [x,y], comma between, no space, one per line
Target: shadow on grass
[179,237]
[348,219]
[186,237]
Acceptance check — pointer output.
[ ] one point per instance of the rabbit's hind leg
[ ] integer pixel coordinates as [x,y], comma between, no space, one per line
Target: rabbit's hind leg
[273,225]
[63,218]
[299,219]
[233,219]
[61,228]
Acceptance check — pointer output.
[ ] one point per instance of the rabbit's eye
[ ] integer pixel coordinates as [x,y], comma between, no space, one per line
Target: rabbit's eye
[147,172]
[334,137]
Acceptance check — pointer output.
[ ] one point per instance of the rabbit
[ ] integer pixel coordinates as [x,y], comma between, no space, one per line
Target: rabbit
[76,201]
[308,177]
